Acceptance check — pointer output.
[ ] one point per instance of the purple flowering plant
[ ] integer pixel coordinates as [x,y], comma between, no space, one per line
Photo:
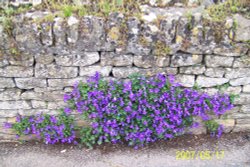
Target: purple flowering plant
[137,111]
[141,110]
[49,128]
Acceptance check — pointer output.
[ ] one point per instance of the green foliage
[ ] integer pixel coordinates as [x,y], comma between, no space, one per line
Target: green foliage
[223,87]
[87,138]
[196,86]
[24,122]
[189,17]
[219,12]
[211,125]
[67,11]
[233,97]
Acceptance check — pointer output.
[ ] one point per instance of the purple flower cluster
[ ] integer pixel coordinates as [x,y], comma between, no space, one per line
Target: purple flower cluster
[50,128]
[142,110]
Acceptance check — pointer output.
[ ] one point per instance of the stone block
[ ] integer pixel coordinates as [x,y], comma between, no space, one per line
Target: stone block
[78,59]
[6,83]
[112,59]
[16,71]
[218,61]
[195,70]
[232,73]
[181,59]
[185,80]
[240,81]
[210,82]
[91,70]
[29,83]
[10,94]
[55,71]
[12,105]
[215,72]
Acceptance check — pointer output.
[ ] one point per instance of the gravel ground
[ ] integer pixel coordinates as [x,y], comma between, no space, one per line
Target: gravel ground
[236,149]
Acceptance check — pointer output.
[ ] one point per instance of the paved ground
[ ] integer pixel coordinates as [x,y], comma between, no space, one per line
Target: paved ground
[236,148]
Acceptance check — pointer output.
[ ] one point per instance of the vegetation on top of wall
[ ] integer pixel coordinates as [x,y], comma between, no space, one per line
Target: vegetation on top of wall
[219,12]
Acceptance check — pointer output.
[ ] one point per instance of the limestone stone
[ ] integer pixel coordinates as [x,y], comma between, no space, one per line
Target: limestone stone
[228,124]
[231,50]
[215,72]
[181,59]
[91,70]
[122,72]
[56,105]
[243,61]
[218,61]
[10,105]
[232,73]
[61,83]
[6,83]
[10,94]
[5,136]
[185,80]
[91,36]
[242,128]
[245,109]
[29,83]
[246,88]
[3,62]
[48,96]
[231,89]
[78,59]
[210,91]
[151,61]
[243,28]
[154,71]
[16,71]
[23,60]
[196,70]
[46,33]
[243,121]
[210,82]
[243,99]
[112,59]
[44,58]
[239,116]
[59,31]
[68,89]
[47,89]
[39,104]
[240,81]
[55,71]
[72,33]
[163,61]
[4,113]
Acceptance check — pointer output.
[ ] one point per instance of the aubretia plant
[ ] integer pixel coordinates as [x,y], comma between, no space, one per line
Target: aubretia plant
[51,129]
[137,111]
[141,110]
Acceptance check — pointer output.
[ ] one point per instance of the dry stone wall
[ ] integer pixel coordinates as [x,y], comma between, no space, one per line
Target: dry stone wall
[41,60]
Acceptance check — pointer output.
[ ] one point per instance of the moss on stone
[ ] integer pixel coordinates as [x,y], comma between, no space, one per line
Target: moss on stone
[161,49]
[143,41]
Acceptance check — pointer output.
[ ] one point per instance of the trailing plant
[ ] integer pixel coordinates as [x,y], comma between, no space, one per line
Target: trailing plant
[141,110]
[49,128]
[138,111]
[214,128]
